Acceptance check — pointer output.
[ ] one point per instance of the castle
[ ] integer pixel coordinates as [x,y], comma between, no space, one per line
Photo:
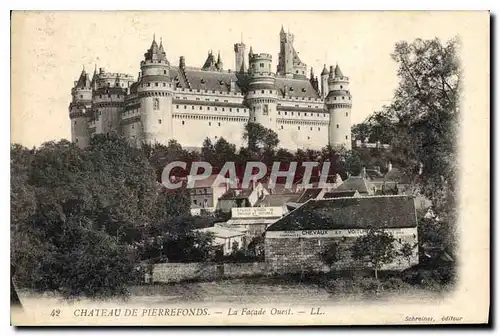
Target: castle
[189,104]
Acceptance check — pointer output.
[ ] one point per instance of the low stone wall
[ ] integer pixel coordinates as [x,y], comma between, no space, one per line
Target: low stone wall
[177,272]
[245,269]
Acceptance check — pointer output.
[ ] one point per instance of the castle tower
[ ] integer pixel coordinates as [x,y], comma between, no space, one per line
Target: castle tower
[285,58]
[239,56]
[324,82]
[261,96]
[338,102]
[289,63]
[108,101]
[80,110]
[155,95]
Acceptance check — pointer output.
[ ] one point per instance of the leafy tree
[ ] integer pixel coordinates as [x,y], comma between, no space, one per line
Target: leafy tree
[376,246]
[223,152]
[208,151]
[424,118]
[260,138]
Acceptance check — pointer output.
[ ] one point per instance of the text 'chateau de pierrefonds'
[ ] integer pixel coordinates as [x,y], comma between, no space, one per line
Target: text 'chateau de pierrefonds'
[189,104]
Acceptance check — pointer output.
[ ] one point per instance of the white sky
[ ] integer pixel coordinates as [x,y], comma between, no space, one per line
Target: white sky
[50,48]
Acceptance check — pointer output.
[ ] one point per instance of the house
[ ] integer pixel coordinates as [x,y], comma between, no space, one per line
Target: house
[241,197]
[295,243]
[331,182]
[255,220]
[205,194]
[358,183]
[225,239]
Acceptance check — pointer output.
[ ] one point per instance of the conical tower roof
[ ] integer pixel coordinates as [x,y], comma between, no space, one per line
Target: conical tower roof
[338,72]
[83,81]
[325,71]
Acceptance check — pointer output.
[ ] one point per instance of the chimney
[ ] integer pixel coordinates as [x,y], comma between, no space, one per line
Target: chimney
[233,86]
[363,172]
[377,169]
[389,166]
[182,62]
[420,168]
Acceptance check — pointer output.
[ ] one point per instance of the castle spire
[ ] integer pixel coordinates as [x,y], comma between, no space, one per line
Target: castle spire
[282,31]
[312,73]
[338,72]
[325,71]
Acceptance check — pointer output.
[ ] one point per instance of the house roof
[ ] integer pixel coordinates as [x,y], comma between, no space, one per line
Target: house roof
[236,194]
[396,175]
[221,232]
[308,194]
[277,199]
[350,213]
[314,180]
[341,193]
[355,183]
[207,182]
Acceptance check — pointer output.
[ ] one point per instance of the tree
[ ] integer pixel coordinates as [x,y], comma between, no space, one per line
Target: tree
[376,246]
[260,138]
[424,118]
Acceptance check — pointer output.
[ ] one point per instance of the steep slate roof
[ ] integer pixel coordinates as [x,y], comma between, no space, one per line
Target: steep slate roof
[83,80]
[301,87]
[211,80]
[351,213]
[355,183]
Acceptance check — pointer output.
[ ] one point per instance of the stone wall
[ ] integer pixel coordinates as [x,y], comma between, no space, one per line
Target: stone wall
[294,255]
[177,272]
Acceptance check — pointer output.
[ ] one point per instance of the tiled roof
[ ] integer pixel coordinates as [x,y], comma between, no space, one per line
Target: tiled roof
[355,183]
[206,183]
[351,213]
[308,194]
[342,193]
[396,175]
[277,199]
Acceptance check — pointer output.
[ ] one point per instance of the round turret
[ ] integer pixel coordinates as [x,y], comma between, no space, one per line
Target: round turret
[262,93]
[80,110]
[339,104]
[155,94]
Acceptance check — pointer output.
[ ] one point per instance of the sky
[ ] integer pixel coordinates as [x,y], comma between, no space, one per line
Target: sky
[49,50]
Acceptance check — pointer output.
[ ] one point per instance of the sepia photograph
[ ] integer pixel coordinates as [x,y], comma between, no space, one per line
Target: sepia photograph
[249,168]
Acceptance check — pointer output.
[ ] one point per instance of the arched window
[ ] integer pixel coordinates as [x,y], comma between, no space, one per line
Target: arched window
[156,104]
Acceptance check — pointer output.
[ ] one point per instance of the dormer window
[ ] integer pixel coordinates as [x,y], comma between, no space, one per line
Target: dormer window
[303,89]
[202,81]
